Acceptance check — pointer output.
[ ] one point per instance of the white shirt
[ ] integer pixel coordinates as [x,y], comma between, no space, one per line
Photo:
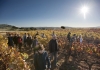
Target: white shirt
[81,39]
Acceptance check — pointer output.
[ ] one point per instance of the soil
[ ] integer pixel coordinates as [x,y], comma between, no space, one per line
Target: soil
[66,62]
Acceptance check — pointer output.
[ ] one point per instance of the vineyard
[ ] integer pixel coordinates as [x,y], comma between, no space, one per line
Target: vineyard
[84,56]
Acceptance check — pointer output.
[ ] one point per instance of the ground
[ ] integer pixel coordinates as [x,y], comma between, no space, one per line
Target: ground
[65,63]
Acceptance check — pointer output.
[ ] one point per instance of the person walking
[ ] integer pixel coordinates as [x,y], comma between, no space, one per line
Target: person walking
[53,48]
[81,39]
[69,37]
[19,42]
[15,40]
[25,40]
[29,41]
[10,41]
[34,43]
[41,59]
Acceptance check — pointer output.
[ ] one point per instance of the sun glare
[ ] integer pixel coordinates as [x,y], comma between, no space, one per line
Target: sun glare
[84,10]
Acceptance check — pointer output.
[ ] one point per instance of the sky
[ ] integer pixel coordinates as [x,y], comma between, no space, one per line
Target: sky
[49,13]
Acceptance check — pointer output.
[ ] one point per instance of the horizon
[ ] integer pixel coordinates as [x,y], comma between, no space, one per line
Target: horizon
[51,13]
[53,26]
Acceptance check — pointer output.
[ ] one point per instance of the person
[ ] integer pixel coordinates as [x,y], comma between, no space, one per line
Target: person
[10,41]
[69,37]
[41,59]
[77,38]
[37,33]
[53,48]
[25,40]
[34,43]
[73,39]
[43,35]
[19,42]
[15,40]
[81,39]
[29,40]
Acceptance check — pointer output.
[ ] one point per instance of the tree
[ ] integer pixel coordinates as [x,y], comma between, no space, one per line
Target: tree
[62,27]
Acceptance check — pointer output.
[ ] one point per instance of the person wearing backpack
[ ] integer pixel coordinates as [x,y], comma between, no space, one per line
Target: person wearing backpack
[41,59]
[19,42]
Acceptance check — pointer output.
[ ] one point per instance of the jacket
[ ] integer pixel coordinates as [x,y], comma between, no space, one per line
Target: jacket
[53,46]
[40,61]
[34,43]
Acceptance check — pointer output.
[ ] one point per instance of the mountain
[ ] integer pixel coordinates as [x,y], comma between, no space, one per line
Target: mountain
[5,26]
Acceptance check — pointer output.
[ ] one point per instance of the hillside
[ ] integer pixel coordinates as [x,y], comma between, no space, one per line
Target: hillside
[4,27]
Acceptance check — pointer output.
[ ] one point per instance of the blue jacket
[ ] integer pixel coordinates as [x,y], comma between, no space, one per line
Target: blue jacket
[41,61]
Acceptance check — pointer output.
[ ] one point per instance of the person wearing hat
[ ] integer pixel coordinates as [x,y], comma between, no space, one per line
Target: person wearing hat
[41,59]
[53,48]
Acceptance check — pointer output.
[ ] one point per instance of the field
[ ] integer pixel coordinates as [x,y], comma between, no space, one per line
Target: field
[85,56]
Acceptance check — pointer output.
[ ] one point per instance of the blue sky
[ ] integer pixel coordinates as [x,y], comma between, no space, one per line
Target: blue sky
[56,13]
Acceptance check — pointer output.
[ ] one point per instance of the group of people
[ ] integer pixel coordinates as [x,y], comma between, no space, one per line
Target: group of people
[41,56]
[18,41]
[42,60]
[74,38]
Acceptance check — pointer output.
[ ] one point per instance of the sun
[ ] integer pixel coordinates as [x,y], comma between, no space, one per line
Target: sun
[84,10]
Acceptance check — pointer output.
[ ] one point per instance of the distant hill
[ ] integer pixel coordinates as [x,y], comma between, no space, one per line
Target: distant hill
[11,27]
[5,26]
